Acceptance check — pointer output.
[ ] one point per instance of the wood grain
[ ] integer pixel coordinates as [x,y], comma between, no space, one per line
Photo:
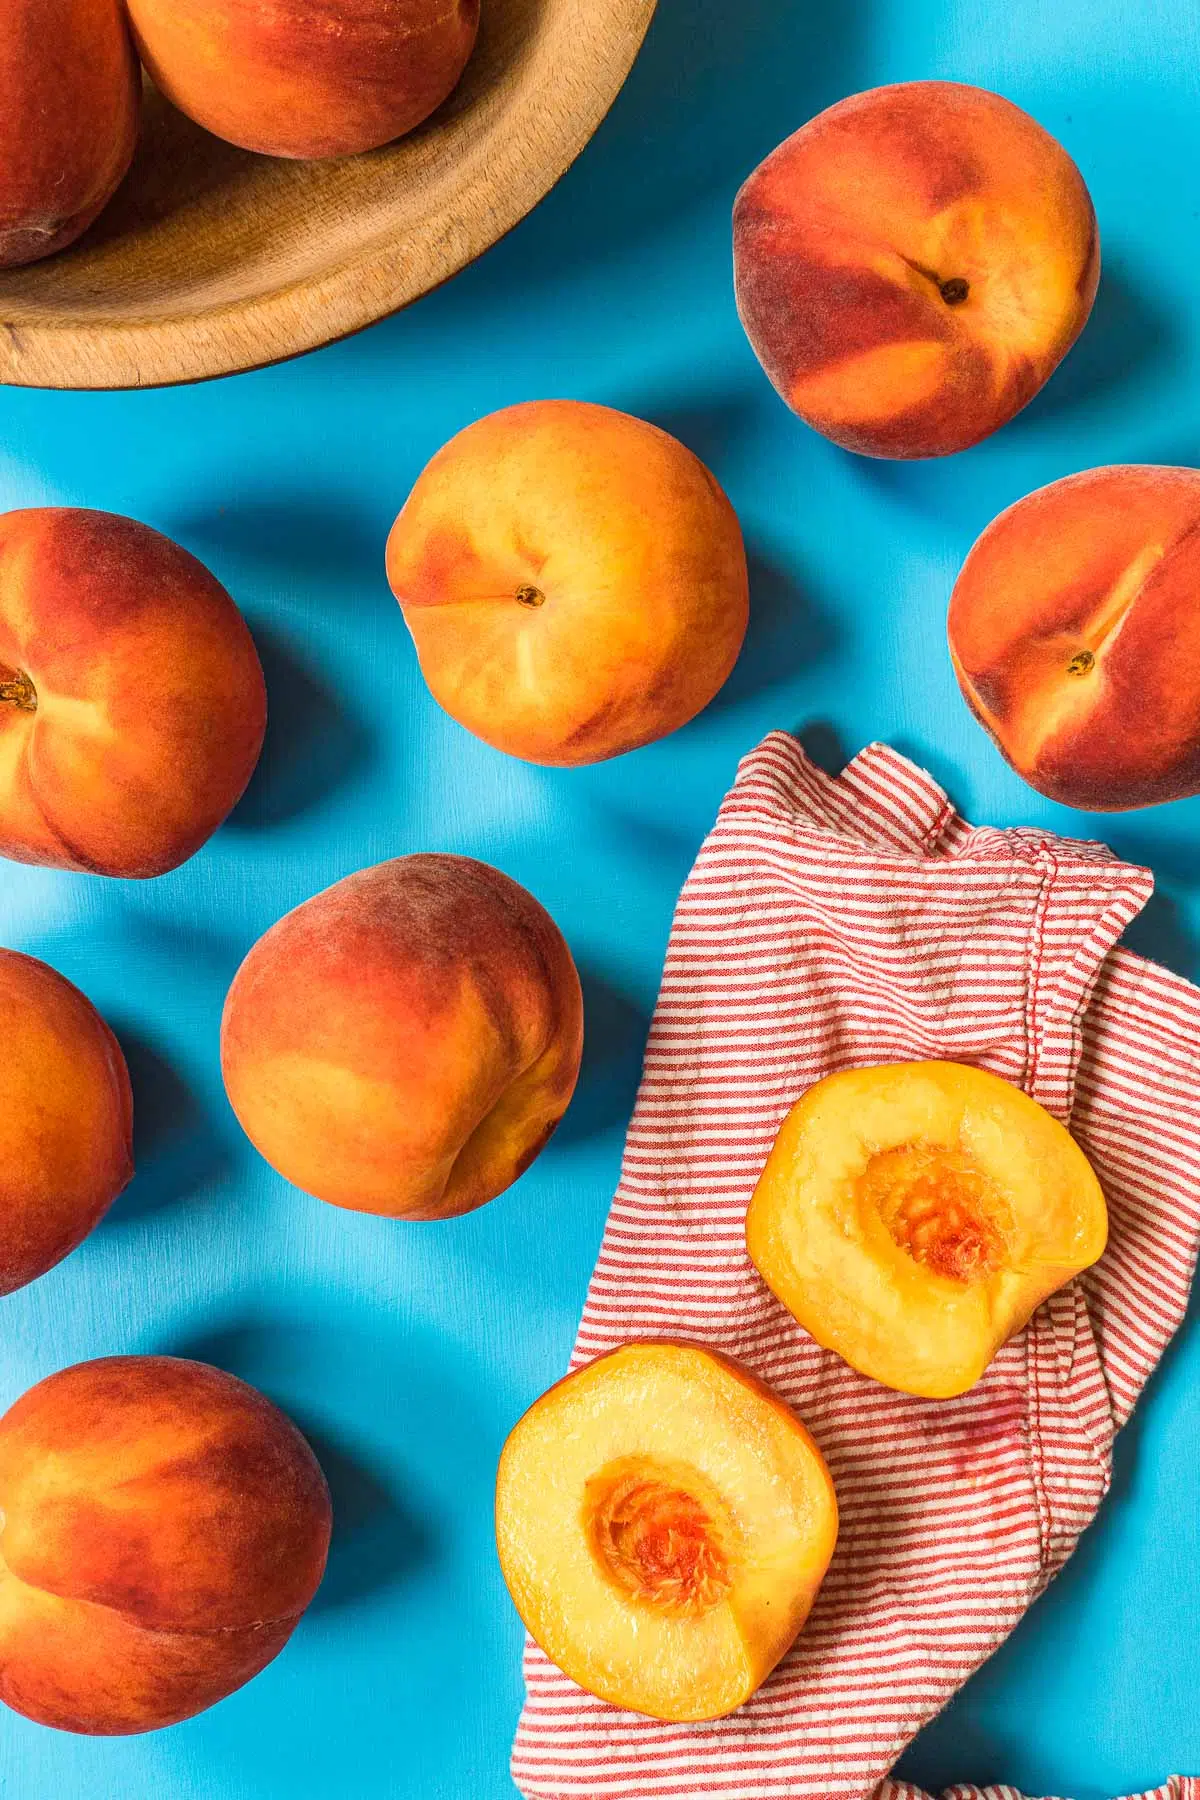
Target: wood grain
[211,259]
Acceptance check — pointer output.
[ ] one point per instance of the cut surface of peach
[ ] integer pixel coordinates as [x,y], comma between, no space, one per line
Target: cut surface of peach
[913,1216]
[664,1522]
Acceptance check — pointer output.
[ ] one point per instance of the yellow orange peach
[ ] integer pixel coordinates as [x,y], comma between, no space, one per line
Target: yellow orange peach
[574,580]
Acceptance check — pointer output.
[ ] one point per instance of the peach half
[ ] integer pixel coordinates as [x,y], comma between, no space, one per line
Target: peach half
[1075,634]
[574,580]
[913,264]
[66,1119]
[163,1527]
[664,1522]
[405,1042]
[913,1217]
[132,704]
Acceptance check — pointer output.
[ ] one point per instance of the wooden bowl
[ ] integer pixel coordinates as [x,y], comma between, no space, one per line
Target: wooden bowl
[211,259]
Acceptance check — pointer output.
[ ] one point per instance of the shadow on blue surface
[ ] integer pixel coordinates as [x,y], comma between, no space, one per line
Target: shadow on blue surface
[314,744]
[175,1149]
[379,1538]
[303,536]
[614,1040]
[1131,337]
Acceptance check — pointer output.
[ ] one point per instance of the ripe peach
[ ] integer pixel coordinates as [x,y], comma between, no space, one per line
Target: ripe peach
[1075,636]
[664,1522]
[913,265]
[132,706]
[574,580]
[70,88]
[328,78]
[66,1119]
[914,1216]
[405,1042]
[164,1528]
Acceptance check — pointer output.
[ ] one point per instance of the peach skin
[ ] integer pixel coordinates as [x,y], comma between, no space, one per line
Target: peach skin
[405,1042]
[164,1528]
[913,264]
[1075,636]
[132,705]
[574,580]
[664,1522]
[66,1119]
[70,89]
[329,78]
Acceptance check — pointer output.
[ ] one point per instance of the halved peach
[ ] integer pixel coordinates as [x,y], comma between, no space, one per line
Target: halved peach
[664,1522]
[913,1217]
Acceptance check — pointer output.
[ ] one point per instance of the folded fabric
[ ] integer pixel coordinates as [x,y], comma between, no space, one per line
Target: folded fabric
[829,924]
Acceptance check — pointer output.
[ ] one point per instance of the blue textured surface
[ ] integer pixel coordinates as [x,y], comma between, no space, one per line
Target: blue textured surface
[408,1352]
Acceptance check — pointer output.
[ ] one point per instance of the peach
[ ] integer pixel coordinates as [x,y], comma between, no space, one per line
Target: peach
[1075,636]
[70,88]
[574,580]
[66,1119]
[164,1528]
[405,1042]
[664,1522]
[132,706]
[914,1216]
[328,78]
[913,264]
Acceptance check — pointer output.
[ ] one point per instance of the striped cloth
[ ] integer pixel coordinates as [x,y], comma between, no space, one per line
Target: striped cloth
[835,923]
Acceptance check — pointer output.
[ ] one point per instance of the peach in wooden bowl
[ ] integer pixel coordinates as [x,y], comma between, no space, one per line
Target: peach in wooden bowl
[1075,632]
[574,580]
[132,704]
[66,1119]
[164,1527]
[212,258]
[913,264]
[331,78]
[69,93]
[405,1042]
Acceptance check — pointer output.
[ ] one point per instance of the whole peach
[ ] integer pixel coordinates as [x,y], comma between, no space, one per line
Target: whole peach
[164,1528]
[405,1042]
[574,580]
[132,705]
[328,78]
[913,264]
[1075,634]
[66,1119]
[70,87]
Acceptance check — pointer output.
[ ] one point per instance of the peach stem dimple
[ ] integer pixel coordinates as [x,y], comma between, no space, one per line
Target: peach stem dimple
[17,690]
[530,595]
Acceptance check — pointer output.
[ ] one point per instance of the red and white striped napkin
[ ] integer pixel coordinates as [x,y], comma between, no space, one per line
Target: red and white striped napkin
[834,923]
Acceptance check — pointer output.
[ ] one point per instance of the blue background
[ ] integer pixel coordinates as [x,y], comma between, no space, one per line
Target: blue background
[407,1352]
